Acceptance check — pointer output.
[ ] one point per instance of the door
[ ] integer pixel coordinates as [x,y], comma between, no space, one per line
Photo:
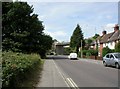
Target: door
[107,59]
[112,60]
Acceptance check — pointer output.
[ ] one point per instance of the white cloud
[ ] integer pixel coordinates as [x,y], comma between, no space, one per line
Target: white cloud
[59,35]
[110,25]
[70,0]
[60,19]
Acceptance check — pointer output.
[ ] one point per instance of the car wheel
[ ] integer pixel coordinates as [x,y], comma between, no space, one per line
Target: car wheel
[104,63]
[117,65]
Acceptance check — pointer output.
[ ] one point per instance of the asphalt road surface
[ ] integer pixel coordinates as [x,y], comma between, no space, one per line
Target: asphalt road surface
[86,73]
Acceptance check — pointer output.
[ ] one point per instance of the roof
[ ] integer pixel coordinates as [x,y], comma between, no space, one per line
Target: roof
[106,37]
[115,36]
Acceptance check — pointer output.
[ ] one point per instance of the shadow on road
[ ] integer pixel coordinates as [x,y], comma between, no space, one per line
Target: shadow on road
[59,57]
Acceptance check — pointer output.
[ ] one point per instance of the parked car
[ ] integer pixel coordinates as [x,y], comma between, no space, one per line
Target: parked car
[72,56]
[112,59]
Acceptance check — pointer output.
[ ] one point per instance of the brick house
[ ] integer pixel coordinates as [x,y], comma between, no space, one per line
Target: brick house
[105,40]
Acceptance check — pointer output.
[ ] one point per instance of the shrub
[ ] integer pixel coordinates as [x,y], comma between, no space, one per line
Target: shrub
[67,51]
[16,66]
[117,47]
[89,52]
[106,50]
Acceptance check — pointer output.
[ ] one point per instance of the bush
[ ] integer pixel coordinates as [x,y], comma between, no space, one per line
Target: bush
[16,67]
[106,50]
[89,52]
[117,47]
[67,51]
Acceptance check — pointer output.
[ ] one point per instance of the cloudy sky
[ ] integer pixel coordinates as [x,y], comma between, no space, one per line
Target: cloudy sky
[61,18]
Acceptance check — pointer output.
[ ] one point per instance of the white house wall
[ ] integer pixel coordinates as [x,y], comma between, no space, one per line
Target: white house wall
[111,45]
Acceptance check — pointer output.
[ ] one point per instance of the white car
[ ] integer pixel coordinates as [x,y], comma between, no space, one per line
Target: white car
[72,56]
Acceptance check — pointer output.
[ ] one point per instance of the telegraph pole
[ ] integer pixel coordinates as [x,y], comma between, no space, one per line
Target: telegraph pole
[81,50]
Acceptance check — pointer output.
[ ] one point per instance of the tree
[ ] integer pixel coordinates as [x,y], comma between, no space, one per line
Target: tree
[76,38]
[96,36]
[22,31]
[117,47]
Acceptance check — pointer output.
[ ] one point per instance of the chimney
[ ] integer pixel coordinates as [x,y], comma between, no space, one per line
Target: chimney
[116,28]
[104,32]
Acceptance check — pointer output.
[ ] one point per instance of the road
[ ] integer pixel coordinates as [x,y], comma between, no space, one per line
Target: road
[83,73]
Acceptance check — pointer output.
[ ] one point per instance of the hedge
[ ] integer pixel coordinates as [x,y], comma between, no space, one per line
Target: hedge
[106,50]
[16,66]
[89,52]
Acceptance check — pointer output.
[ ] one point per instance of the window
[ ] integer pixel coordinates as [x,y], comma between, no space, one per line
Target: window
[107,56]
[111,56]
[111,43]
[117,55]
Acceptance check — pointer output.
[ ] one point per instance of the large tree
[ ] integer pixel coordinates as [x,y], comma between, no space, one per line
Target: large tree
[76,38]
[22,31]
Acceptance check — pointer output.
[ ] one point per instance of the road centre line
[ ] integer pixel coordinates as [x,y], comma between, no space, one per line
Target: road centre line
[69,82]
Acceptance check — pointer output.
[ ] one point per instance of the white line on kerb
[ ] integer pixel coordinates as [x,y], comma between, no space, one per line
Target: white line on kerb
[69,82]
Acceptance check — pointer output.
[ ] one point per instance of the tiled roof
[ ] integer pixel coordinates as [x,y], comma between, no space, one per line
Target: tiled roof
[106,38]
[115,36]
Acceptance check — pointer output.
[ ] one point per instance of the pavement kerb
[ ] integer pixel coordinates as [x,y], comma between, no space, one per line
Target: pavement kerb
[51,76]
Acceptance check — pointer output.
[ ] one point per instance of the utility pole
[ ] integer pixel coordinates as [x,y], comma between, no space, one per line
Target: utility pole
[81,50]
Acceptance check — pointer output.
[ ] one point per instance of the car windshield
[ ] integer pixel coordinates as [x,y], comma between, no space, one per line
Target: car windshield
[117,55]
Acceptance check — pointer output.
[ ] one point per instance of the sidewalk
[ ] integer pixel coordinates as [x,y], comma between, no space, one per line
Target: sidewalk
[51,76]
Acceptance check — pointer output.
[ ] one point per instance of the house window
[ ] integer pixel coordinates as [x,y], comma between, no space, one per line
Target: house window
[111,43]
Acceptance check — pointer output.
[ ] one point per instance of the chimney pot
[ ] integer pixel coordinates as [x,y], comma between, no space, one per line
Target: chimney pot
[116,28]
[104,32]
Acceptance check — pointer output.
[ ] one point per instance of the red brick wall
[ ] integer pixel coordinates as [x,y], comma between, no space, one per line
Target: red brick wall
[100,49]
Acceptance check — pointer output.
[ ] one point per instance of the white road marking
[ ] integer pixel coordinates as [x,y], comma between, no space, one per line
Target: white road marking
[72,84]
[60,73]
[69,82]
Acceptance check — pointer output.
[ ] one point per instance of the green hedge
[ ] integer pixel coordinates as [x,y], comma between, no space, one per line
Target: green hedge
[106,50]
[90,52]
[16,67]
[117,47]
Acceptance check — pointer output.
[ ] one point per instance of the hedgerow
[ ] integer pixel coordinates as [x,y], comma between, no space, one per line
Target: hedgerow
[16,67]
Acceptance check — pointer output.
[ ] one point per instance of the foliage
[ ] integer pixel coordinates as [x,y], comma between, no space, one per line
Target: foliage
[22,31]
[77,36]
[106,50]
[117,47]
[89,41]
[96,36]
[16,66]
[67,50]
[90,52]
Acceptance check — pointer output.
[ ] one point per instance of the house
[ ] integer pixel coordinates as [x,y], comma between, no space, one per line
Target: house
[105,40]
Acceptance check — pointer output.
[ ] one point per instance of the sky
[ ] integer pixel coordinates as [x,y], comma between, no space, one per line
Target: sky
[61,18]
